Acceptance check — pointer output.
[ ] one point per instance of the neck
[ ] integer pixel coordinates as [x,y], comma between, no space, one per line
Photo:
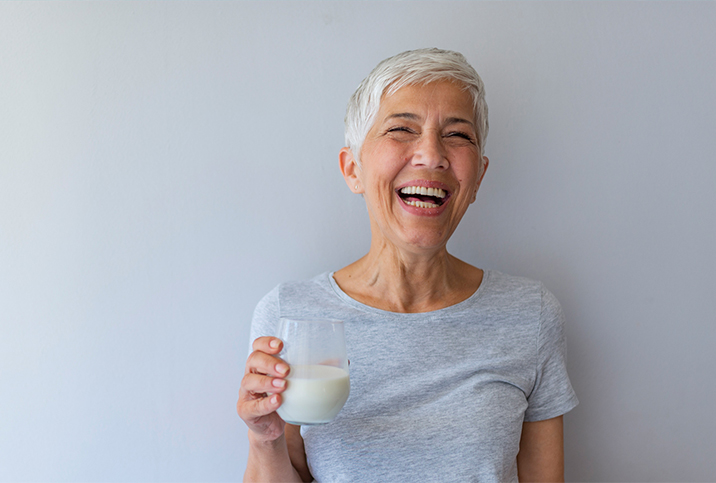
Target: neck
[408,281]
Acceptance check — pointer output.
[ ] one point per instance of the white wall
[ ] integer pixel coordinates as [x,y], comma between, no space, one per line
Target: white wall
[163,165]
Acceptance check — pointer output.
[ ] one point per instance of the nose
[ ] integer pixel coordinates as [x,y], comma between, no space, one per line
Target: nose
[430,151]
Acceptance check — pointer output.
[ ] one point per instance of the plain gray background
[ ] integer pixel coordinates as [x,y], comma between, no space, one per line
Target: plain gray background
[163,165]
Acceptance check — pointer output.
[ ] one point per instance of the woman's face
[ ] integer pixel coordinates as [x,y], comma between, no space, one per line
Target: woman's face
[420,165]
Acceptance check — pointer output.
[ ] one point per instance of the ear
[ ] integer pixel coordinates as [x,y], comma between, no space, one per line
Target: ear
[485,164]
[350,170]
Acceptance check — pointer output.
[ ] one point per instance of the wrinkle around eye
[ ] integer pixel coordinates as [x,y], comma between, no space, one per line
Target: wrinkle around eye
[400,133]
[400,129]
[459,137]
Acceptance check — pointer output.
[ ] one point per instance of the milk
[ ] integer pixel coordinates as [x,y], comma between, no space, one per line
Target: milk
[315,394]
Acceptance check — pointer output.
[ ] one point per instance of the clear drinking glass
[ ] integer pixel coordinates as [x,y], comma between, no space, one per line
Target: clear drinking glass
[318,383]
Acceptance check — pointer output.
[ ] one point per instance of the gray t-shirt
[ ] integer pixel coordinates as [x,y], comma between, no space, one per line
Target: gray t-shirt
[436,396]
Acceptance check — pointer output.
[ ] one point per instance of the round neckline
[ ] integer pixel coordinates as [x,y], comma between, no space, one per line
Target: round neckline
[486,274]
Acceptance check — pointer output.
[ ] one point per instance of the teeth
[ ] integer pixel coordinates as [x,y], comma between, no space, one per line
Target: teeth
[421,204]
[422,190]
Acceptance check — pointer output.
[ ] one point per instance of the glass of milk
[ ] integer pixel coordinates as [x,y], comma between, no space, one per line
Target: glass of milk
[318,382]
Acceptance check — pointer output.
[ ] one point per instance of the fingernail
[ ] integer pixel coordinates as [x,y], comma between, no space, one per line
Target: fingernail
[281,368]
[278,382]
[274,399]
[274,343]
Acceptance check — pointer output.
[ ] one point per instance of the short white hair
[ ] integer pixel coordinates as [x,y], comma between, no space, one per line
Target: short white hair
[413,67]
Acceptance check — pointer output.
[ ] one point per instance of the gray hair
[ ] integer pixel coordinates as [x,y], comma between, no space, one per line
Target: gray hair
[413,67]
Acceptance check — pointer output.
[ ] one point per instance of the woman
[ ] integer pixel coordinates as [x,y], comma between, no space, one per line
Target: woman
[457,374]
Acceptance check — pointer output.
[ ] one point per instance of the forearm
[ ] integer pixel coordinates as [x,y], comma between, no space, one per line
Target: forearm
[269,461]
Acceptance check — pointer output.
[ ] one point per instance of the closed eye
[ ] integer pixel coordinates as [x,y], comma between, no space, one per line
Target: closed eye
[400,128]
[402,134]
[460,135]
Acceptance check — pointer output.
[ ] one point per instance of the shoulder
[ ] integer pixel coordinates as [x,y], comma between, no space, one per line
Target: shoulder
[284,300]
[512,293]
[293,298]
[521,302]
[530,301]
[505,283]
[302,288]
[511,286]
[298,297]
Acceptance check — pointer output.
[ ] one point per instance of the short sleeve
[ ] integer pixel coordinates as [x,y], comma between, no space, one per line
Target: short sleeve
[552,394]
[266,315]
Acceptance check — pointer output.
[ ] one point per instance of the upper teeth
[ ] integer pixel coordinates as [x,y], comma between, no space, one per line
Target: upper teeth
[422,190]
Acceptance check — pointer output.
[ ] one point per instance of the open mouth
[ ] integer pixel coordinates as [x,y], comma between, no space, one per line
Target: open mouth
[423,197]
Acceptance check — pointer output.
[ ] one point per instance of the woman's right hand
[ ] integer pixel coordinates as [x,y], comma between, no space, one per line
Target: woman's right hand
[261,388]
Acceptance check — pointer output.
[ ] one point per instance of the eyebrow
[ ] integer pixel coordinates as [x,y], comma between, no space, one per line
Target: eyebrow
[415,117]
[458,120]
[403,115]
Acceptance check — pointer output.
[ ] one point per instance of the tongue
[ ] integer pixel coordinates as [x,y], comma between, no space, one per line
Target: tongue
[425,199]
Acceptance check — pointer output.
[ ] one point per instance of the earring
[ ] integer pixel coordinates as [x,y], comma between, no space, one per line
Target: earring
[356,187]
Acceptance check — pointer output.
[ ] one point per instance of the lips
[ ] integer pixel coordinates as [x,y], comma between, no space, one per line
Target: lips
[423,194]
[422,197]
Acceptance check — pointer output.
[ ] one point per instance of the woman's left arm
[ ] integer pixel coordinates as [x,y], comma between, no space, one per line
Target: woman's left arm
[541,456]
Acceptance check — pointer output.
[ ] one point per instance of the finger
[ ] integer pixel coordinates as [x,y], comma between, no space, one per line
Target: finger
[262,363]
[269,345]
[260,384]
[254,409]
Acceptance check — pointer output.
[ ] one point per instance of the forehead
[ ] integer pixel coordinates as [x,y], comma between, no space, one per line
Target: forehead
[443,97]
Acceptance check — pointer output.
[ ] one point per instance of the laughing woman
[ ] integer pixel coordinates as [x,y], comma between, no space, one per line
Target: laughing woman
[457,373]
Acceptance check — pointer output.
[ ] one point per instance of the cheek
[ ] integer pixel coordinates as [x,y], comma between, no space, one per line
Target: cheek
[471,175]
[384,171]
